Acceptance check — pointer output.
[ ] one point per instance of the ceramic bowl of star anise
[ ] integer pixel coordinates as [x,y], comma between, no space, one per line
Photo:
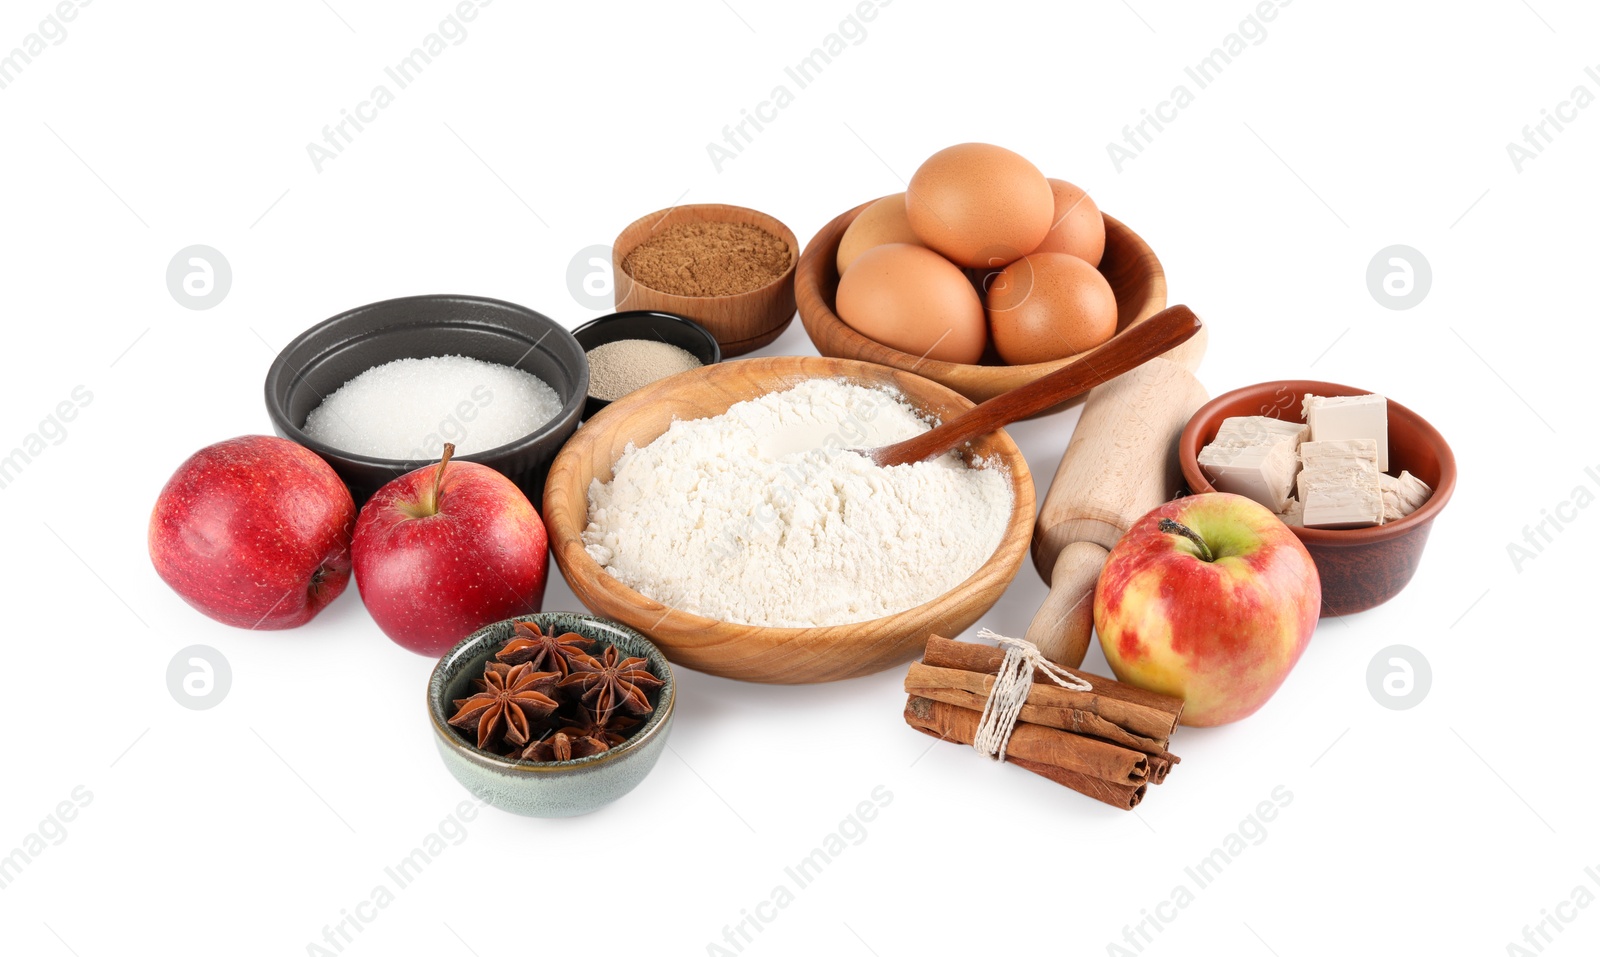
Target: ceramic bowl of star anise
[553,714]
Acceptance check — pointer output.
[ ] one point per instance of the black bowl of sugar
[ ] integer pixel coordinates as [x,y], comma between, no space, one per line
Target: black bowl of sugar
[629,350]
[377,391]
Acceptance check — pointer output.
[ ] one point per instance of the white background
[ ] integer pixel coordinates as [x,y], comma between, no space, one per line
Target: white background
[248,828]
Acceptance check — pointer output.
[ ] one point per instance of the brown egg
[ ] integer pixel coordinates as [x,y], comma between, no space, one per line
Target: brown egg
[912,299]
[1078,229]
[882,222]
[1048,306]
[979,205]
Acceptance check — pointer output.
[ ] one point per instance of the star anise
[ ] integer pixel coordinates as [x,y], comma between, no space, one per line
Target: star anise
[561,746]
[585,735]
[509,696]
[608,730]
[481,683]
[611,682]
[530,645]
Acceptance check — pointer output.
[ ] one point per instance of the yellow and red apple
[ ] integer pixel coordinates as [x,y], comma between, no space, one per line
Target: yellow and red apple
[1209,598]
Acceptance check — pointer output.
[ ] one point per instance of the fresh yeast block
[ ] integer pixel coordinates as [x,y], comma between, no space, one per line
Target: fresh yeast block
[1254,456]
[1340,484]
[1264,473]
[1332,418]
[1239,430]
[1342,506]
[1403,495]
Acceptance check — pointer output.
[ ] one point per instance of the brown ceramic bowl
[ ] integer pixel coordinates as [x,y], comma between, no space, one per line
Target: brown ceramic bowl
[1361,568]
[741,322]
[752,652]
[1129,265]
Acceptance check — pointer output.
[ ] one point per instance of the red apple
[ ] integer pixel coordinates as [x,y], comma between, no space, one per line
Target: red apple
[254,532]
[1211,599]
[444,550]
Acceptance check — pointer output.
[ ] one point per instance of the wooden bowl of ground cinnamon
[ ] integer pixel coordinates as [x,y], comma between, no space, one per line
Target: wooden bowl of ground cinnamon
[729,268]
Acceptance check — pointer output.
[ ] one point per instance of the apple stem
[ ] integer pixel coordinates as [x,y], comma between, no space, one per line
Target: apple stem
[438,478]
[1171,527]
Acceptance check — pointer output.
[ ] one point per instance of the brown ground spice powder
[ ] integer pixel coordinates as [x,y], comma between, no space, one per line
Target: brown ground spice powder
[709,259]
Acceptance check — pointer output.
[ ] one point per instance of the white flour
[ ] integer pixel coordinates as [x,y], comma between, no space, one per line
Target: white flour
[758,516]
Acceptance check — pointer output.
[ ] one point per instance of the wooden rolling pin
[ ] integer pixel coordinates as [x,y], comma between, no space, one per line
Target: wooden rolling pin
[1121,463]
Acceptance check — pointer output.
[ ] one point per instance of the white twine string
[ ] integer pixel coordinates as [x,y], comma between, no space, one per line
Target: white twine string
[1011,687]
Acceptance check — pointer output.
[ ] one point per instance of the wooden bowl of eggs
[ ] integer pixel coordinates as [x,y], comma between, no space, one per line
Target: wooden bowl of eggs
[983,276]
[749,652]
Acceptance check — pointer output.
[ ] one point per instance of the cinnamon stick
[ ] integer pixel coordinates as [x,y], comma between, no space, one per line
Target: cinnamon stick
[1160,764]
[949,686]
[1117,794]
[1073,752]
[1144,713]
[1125,796]
[1047,705]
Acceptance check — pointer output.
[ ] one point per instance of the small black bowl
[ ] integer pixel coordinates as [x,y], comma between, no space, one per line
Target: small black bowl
[669,327]
[335,351]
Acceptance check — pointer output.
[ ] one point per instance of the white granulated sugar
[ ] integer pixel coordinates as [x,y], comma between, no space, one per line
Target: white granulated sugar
[761,515]
[409,408]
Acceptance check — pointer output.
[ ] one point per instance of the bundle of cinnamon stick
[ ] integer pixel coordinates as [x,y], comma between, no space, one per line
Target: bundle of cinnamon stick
[1109,743]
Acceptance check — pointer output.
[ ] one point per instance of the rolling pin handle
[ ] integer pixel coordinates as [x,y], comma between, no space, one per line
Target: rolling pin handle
[1064,623]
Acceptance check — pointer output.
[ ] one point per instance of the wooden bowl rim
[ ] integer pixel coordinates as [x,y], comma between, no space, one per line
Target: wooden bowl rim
[938,368]
[787,235]
[566,536]
[1189,450]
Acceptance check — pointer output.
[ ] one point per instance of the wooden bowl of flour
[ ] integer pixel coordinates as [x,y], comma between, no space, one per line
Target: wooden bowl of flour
[751,652]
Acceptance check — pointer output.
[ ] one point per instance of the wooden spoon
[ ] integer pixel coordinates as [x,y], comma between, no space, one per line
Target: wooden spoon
[1130,349]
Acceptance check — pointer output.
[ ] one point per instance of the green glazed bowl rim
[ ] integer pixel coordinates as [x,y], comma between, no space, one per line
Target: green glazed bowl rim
[476,645]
